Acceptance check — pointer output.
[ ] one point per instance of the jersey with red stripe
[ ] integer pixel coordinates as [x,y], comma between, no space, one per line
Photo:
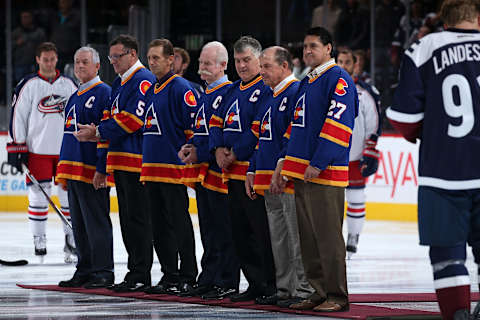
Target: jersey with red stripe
[269,126]
[80,160]
[438,101]
[230,125]
[170,109]
[322,125]
[122,122]
[38,110]
[211,176]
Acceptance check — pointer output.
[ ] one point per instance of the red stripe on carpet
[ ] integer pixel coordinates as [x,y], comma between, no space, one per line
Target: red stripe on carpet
[356,311]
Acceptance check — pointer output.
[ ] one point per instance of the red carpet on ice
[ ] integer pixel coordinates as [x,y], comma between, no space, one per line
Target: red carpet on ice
[357,311]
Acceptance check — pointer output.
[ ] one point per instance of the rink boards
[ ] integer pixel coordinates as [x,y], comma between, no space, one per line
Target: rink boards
[391,192]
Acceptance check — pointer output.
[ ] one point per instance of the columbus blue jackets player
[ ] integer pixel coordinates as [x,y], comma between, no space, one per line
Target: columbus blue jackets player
[438,102]
[82,167]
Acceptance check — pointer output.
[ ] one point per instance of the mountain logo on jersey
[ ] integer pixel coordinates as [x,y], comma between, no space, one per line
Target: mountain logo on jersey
[200,122]
[52,104]
[266,126]
[232,118]
[299,113]
[341,86]
[71,121]
[151,125]
[114,107]
[143,86]
[189,99]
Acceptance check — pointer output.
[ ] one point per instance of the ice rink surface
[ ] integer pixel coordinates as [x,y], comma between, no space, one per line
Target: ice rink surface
[389,260]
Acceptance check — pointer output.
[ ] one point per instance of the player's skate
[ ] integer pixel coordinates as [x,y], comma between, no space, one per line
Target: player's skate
[476,312]
[70,250]
[352,242]
[40,243]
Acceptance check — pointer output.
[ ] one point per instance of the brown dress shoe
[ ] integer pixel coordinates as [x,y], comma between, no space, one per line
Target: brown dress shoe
[306,304]
[329,306]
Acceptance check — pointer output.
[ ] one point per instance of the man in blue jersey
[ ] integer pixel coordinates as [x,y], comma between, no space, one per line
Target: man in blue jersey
[317,160]
[169,111]
[122,125]
[438,102]
[230,140]
[220,275]
[270,126]
[82,168]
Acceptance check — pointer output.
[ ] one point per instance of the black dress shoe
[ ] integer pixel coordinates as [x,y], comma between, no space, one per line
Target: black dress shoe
[267,300]
[187,290]
[244,296]
[129,286]
[99,282]
[75,282]
[219,293]
[163,288]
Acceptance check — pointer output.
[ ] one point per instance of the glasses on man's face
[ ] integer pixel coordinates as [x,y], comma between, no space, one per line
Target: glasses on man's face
[115,57]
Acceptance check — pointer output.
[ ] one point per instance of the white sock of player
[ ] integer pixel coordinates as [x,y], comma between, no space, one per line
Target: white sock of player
[355,210]
[37,210]
[63,198]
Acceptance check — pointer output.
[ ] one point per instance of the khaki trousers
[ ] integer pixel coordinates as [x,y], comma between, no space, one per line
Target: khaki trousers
[320,211]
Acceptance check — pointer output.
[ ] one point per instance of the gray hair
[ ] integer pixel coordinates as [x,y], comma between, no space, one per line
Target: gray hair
[248,42]
[95,56]
[281,55]
[221,52]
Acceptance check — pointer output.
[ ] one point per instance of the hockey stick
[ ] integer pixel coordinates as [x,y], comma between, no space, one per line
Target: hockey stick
[60,214]
[13,263]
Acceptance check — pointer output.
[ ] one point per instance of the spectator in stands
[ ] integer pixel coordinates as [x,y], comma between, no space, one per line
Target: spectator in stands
[327,17]
[353,27]
[181,61]
[26,39]
[65,32]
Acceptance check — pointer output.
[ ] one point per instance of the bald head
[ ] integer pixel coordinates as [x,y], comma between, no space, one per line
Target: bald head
[275,65]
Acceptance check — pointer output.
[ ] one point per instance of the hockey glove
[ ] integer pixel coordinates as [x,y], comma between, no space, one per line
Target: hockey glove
[17,154]
[369,161]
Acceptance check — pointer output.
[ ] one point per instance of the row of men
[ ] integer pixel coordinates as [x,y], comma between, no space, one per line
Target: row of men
[246,147]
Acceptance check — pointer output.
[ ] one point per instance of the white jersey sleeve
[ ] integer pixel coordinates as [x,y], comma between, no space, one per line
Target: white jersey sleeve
[366,123]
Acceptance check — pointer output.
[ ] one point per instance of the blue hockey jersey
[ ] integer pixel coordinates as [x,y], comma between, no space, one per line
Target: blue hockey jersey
[234,118]
[270,125]
[438,101]
[322,125]
[168,124]
[80,160]
[210,174]
[122,119]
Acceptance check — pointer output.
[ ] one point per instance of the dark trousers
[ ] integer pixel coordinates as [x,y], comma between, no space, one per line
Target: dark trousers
[219,262]
[92,228]
[251,237]
[172,231]
[320,211]
[135,226]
